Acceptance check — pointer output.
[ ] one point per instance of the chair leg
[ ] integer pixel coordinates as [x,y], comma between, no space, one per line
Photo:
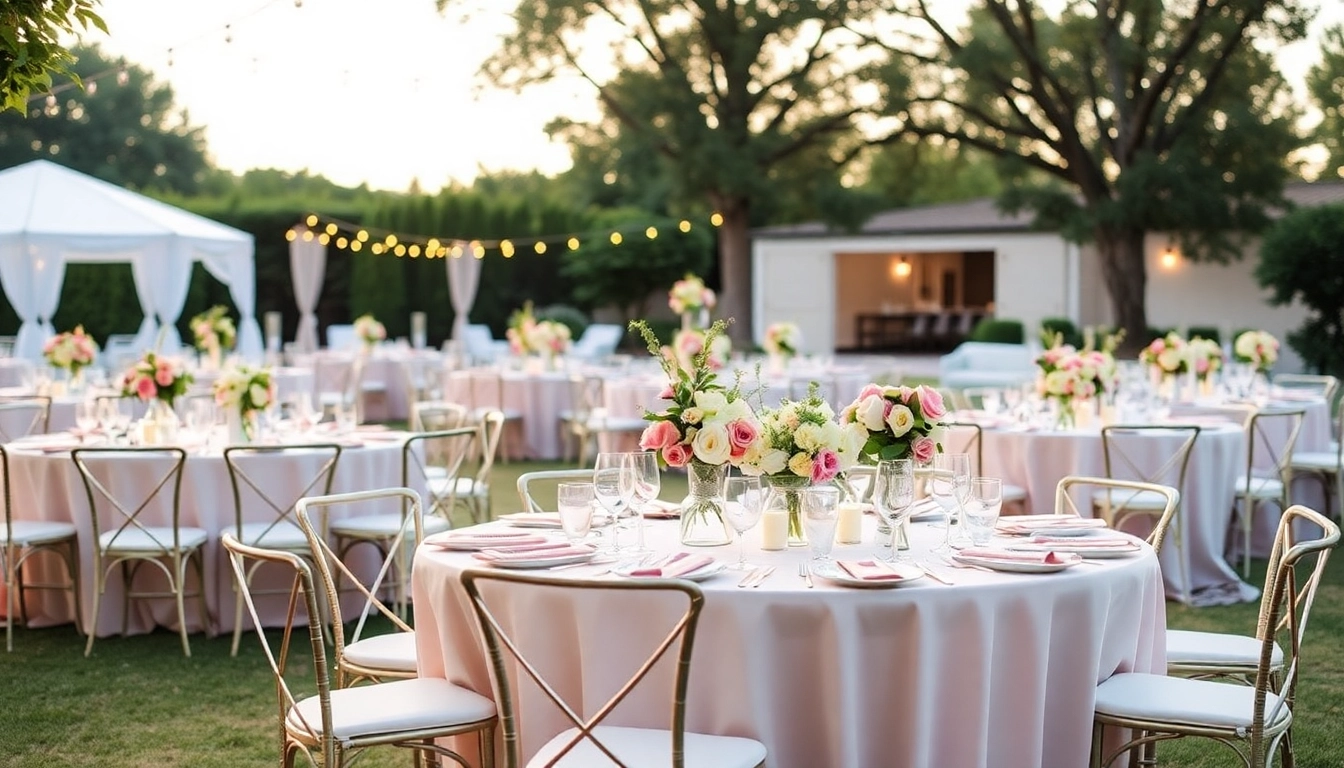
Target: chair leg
[10,584]
[178,584]
[99,574]
[1094,760]
[237,620]
[1248,510]
[206,622]
[72,567]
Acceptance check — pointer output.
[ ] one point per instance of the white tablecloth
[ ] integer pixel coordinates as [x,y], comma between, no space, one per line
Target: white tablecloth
[47,486]
[999,670]
[537,398]
[383,373]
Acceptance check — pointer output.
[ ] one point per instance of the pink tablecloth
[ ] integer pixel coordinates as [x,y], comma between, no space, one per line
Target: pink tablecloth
[998,670]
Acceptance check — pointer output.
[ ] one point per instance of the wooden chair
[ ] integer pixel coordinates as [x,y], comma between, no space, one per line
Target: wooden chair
[1066,493]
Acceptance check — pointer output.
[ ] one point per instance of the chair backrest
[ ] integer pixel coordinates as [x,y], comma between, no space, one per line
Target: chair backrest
[1296,566]
[1066,505]
[487,388]
[965,437]
[1271,438]
[260,481]
[585,395]
[1132,452]
[395,561]
[1324,385]
[104,472]
[437,415]
[243,560]
[858,481]
[23,416]
[506,649]
[434,460]
[528,493]
[492,427]
[988,399]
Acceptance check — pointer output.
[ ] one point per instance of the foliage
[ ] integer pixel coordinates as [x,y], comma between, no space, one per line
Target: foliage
[1062,327]
[128,134]
[1210,332]
[1302,260]
[626,275]
[997,331]
[907,170]
[1136,113]
[568,316]
[30,47]
[1325,83]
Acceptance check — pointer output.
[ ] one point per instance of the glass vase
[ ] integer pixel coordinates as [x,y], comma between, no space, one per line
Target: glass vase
[160,424]
[242,426]
[1064,417]
[702,519]
[785,493]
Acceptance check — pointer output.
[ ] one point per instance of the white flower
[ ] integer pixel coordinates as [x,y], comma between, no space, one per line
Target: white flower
[871,411]
[711,444]
[260,395]
[737,409]
[693,415]
[808,437]
[711,402]
[900,420]
[773,461]
[801,464]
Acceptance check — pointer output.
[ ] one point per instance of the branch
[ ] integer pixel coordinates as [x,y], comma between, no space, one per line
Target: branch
[980,143]
[1143,113]
[805,136]
[614,104]
[1211,81]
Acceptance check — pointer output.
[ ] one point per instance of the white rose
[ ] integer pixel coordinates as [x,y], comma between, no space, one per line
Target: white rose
[1245,345]
[1058,383]
[1171,359]
[774,461]
[830,435]
[693,415]
[855,436]
[808,437]
[260,396]
[870,413]
[711,402]
[900,420]
[711,444]
[801,464]
[738,409]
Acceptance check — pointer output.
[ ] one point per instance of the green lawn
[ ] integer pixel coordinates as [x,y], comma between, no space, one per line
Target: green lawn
[138,702]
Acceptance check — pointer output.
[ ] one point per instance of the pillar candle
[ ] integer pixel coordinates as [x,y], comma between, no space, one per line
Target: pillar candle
[849,523]
[775,529]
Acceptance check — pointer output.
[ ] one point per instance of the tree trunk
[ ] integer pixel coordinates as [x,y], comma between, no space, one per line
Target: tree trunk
[735,267]
[1125,272]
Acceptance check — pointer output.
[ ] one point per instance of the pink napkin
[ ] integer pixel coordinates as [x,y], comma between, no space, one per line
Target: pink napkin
[1085,542]
[536,553]
[868,570]
[485,541]
[679,564]
[1021,524]
[1045,558]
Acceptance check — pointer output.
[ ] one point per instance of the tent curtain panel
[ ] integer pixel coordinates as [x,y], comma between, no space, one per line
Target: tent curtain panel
[162,279]
[32,276]
[307,264]
[464,276]
[238,272]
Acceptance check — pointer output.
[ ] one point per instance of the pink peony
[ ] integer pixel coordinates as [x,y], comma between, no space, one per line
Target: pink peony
[931,403]
[906,394]
[677,454]
[659,435]
[923,449]
[741,435]
[869,390]
[145,389]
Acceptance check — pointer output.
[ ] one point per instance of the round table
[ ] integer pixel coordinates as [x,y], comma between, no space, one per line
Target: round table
[994,670]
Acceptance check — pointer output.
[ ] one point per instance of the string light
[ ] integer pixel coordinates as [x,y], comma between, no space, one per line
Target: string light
[311,220]
[573,243]
[506,248]
[540,247]
[616,238]
[716,219]
[684,226]
[307,237]
[651,232]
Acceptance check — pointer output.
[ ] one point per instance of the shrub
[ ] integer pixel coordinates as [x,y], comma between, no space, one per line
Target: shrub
[570,317]
[999,331]
[1301,260]
[1205,332]
[1064,327]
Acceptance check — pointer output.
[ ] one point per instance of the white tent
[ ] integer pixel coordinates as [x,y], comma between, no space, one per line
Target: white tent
[51,216]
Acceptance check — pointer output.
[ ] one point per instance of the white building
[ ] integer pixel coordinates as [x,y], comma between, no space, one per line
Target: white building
[970,256]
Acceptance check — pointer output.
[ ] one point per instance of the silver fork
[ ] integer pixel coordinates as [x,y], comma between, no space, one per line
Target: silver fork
[805,573]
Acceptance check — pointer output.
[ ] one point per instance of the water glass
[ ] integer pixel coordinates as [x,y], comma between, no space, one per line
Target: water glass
[819,513]
[647,485]
[86,415]
[982,508]
[575,501]
[345,416]
[614,487]
[950,486]
[894,494]
[743,510]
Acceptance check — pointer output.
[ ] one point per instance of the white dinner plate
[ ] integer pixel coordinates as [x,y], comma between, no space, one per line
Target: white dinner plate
[1092,553]
[927,510]
[1019,566]
[700,574]
[832,572]
[540,562]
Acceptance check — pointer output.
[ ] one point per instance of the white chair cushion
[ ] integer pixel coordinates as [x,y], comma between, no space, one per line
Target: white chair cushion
[283,535]
[639,747]
[394,651]
[1216,648]
[399,705]
[441,488]
[1121,498]
[37,532]
[1261,487]
[1183,701]
[1317,460]
[1010,493]
[151,539]
[384,526]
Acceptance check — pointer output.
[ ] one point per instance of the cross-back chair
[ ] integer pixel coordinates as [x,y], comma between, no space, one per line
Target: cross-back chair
[551,477]
[1324,385]
[20,541]
[487,395]
[131,539]
[263,479]
[1067,494]
[1327,468]
[333,725]
[969,437]
[437,415]
[24,416]
[588,419]
[1271,438]
[1253,721]
[472,484]
[1133,452]
[589,742]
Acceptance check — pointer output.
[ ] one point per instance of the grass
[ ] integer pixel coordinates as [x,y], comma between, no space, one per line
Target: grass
[138,702]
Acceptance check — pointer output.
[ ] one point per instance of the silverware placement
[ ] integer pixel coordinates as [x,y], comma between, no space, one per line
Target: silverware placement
[765,572]
[746,580]
[807,575]
[932,575]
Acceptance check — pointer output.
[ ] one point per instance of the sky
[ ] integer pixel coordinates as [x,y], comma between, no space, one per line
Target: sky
[373,91]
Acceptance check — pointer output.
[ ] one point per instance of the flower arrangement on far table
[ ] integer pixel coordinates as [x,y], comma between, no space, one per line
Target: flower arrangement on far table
[1071,377]
[690,298]
[687,344]
[707,428]
[214,332]
[529,336]
[244,392]
[70,351]
[897,422]
[782,340]
[369,330]
[1206,357]
[1167,355]
[1258,348]
[156,377]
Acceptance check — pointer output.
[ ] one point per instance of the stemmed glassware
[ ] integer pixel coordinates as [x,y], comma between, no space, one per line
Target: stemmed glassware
[647,484]
[614,487]
[743,511]
[894,494]
[950,486]
[86,416]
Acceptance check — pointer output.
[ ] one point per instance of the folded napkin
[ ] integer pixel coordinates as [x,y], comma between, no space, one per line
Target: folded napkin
[679,564]
[557,551]
[868,570]
[659,509]
[499,535]
[1034,523]
[1014,555]
[1085,542]
[469,541]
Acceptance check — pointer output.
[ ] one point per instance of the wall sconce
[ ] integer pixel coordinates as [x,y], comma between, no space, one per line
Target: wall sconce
[900,269]
[1170,257]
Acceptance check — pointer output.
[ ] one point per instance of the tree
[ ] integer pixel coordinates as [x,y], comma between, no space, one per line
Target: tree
[30,49]
[721,93]
[1145,115]
[1325,82]
[1302,259]
[126,131]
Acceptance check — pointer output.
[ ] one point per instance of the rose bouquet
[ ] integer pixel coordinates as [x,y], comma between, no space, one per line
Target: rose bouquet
[214,329]
[245,391]
[897,422]
[690,295]
[1258,348]
[783,339]
[529,336]
[1206,357]
[156,377]
[688,344]
[1068,376]
[369,330]
[1168,355]
[71,350]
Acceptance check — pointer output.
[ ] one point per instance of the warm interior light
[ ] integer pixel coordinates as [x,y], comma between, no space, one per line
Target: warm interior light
[900,269]
[1169,258]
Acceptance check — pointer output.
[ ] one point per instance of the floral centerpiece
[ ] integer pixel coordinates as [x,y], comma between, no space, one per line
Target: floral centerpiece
[157,380]
[1073,378]
[214,332]
[72,351]
[243,392]
[1257,348]
[692,300]
[782,341]
[1206,357]
[897,422]
[529,336]
[688,344]
[1166,356]
[369,331]
[801,444]
[707,428]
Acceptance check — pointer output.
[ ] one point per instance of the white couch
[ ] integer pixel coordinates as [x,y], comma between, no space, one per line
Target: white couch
[981,364]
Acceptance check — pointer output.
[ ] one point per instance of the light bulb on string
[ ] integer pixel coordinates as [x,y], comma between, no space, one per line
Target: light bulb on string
[377,248]
[506,248]
[307,236]
[312,220]
[341,242]
[477,250]
[616,238]
[324,238]
[390,241]
[573,243]
[362,236]
[716,219]
[540,247]
[651,233]
[331,229]
[684,226]
[355,245]
[413,251]
[291,235]
[400,250]
[456,252]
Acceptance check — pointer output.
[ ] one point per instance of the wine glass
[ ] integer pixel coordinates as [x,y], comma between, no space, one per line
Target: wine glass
[950,485]
[819,513]
[894,494]
[614,487]
[982,509]
[743,511]
[647,484]
[86,416]
[575,502]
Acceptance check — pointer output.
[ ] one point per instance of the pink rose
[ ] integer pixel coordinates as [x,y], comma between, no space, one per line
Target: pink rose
[931,403]
[825,465]
[923,449]
[666,394]
[906,394]
[145,389]
[163,373]
[741,435]
[869,390]
[659,435]
[677,455]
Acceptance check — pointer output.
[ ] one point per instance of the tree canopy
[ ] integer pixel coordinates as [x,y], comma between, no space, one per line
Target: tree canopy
[1325,82]
[1302,259]
[30,48]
